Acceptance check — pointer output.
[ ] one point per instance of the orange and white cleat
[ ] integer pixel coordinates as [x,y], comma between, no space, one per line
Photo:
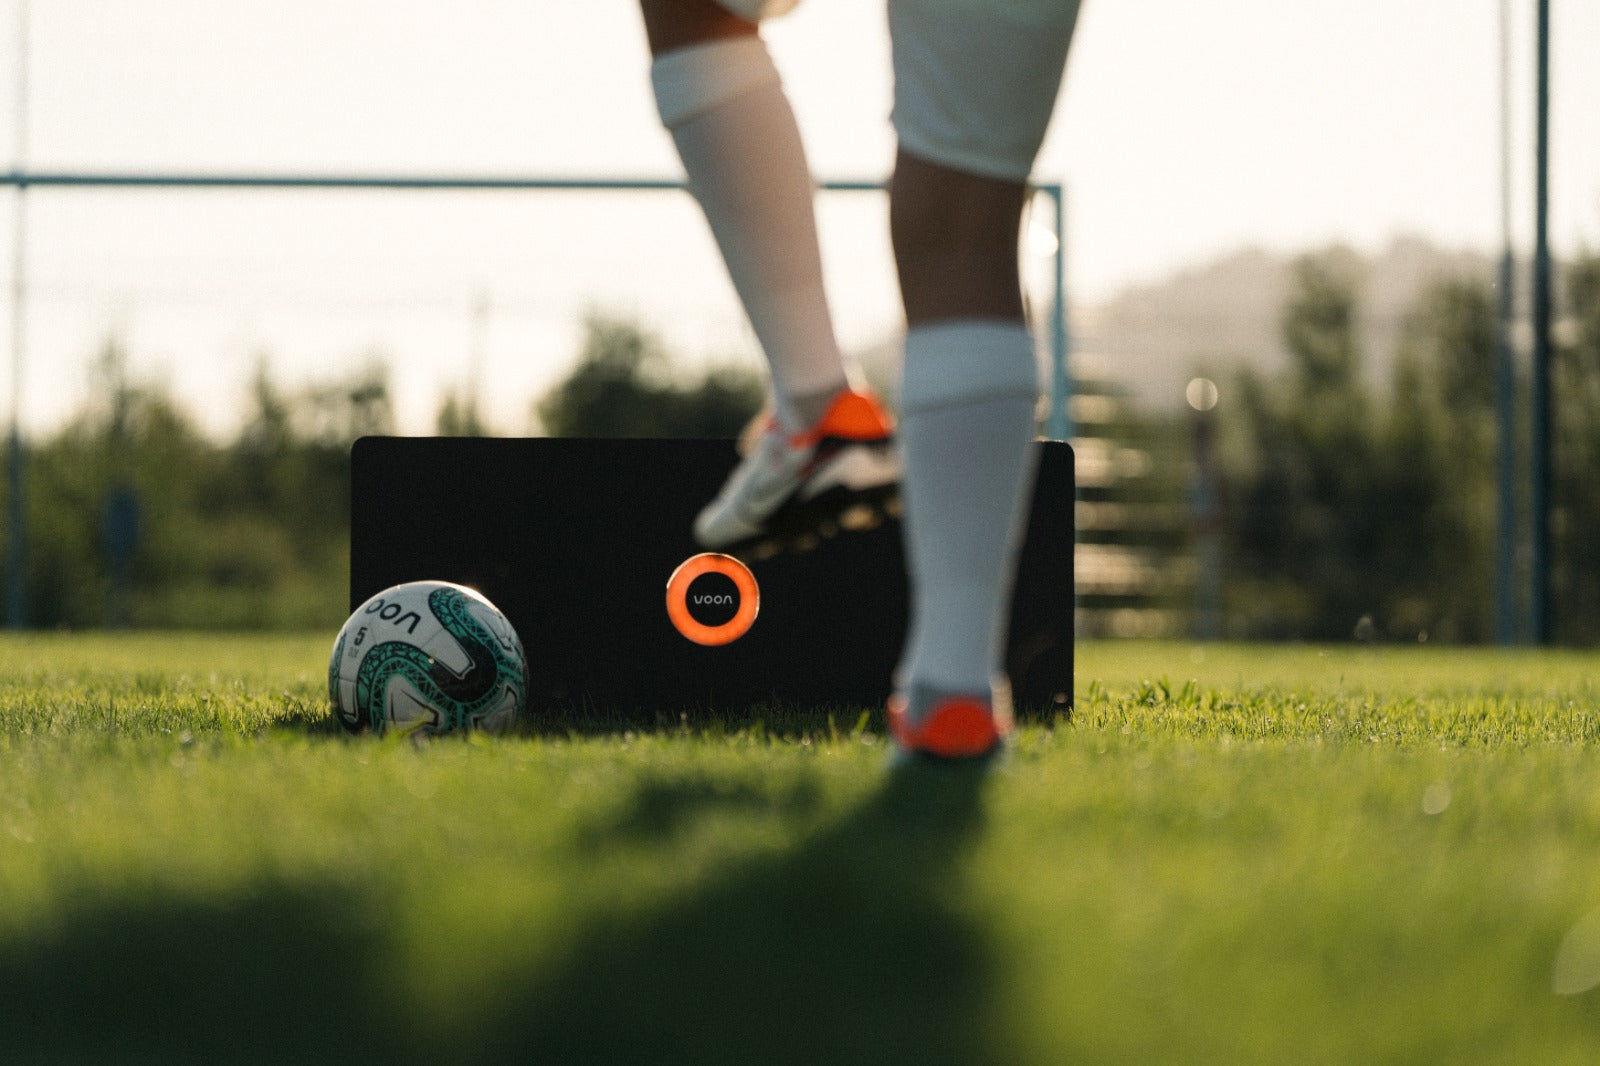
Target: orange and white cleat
[952,728]
[841,473]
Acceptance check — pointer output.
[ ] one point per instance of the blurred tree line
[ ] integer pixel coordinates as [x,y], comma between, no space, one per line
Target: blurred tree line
[1349,508]
[135,517]
[623,386]
[1371,512]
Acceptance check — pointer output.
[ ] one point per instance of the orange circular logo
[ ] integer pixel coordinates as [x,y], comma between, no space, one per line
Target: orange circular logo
[682,605]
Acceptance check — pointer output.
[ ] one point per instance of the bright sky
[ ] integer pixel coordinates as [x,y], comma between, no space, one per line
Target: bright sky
[1185,131]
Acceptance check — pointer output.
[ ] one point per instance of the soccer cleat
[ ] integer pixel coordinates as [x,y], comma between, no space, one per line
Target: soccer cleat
[951,727]
[842,473]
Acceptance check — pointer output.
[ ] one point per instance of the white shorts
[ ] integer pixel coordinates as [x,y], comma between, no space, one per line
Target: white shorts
[975,81]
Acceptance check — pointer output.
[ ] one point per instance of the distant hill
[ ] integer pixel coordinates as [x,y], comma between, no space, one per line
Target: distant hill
[1152,339]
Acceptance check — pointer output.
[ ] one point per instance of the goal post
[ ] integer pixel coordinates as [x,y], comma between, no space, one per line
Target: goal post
[1044,272]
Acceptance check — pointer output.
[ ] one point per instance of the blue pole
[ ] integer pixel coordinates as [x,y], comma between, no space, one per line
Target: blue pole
[16,584]
[1506,416]
[1059,424]
[1506,384]
[1539,608]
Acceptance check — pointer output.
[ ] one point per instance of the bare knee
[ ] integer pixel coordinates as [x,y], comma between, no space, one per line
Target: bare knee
[673,24]
[955,242]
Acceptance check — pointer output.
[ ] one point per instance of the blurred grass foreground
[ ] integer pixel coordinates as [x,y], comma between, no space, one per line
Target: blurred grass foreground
[1226,855]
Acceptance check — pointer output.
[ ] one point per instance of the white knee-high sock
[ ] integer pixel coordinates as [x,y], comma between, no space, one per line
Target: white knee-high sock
[966,429]
[736,134]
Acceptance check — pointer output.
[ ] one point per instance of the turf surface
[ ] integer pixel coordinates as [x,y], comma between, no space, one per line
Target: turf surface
[1229,855]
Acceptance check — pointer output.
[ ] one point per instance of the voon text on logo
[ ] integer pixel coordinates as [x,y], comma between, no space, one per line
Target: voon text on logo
[730,597]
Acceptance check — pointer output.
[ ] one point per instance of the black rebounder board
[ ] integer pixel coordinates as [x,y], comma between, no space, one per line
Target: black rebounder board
[576,540]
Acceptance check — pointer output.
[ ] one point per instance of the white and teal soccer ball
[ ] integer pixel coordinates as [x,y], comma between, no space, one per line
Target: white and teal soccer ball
[427,658]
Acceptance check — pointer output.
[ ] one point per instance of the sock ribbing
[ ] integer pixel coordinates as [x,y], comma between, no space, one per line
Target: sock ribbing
[966,432]
[691,81]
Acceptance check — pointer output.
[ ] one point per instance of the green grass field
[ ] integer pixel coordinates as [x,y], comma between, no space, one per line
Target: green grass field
[1229,855]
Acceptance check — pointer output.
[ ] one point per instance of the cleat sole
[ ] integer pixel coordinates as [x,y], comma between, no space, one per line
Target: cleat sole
[860,517]
[801,525]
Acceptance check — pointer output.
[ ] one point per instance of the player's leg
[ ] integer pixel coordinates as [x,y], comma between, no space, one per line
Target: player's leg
[720,95]
[975,83]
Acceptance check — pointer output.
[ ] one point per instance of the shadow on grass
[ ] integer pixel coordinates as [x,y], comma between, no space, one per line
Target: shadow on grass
[660,808]
[282,976]
[854,947]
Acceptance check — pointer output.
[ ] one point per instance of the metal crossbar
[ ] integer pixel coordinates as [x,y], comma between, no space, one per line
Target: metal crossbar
[1058,426]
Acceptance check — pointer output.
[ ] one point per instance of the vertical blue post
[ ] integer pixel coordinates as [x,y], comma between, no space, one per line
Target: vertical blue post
[1539,611]
[1059,424]
[16,587]
[1506,417]
[1506,384]
[16,600]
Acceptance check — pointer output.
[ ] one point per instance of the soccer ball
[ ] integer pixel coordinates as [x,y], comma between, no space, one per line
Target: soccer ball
[427,658]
